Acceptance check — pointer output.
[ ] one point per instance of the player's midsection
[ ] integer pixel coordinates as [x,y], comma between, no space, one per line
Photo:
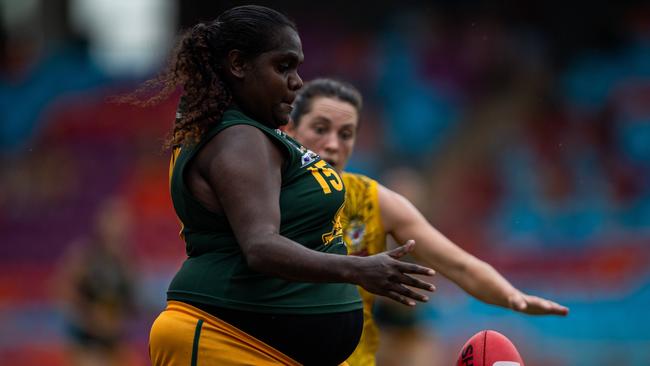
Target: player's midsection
[311,339]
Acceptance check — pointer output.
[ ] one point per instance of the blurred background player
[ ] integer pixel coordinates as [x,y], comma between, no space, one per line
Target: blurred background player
[326,119]
[96,285]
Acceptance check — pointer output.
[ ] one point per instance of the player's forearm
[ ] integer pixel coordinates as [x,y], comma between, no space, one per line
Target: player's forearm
[278,256]
[473,275]
[482,281]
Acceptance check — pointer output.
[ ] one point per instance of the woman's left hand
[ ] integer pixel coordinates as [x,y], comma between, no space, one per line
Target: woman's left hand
[534,305]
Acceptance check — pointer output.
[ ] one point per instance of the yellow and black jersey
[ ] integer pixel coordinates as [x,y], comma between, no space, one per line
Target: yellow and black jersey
[364,235]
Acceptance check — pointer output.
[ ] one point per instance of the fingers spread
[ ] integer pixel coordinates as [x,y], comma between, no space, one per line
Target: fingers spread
[407,292]
[415,269]
[415,282]
[403,250]
[401,299]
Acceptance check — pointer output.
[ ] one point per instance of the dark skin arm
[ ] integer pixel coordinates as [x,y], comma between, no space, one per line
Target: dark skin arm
[238,173]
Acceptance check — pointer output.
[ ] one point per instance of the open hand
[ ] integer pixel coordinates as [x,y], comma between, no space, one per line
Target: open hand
[383,274]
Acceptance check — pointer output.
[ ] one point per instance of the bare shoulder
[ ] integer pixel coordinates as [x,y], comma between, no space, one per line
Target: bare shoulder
[395,209]
[239,146]
[236,139]
[237,158]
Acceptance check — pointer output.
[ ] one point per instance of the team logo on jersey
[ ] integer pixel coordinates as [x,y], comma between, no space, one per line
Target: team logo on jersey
[306,156]
[354,234]
[337,228]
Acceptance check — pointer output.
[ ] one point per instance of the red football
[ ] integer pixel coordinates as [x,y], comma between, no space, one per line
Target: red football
[489,348]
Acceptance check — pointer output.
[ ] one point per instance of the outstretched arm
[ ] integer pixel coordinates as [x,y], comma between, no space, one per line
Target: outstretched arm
[403,221]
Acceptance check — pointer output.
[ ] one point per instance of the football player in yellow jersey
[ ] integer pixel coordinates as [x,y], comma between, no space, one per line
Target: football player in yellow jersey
[325,119]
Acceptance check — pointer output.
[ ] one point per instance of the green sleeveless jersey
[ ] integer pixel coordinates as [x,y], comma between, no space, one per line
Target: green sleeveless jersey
[216,273]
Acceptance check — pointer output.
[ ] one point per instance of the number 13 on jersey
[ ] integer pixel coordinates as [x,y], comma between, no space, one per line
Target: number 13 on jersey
[326,177]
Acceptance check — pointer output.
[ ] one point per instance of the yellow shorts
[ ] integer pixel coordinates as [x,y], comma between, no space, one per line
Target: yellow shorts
[184,335]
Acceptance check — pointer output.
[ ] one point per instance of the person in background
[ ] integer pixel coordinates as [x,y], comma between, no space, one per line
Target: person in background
[267,280]
[96,285]
[325,118]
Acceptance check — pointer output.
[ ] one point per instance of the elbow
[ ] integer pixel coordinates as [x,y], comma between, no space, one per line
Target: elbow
[258,262]
[258,255]
[253,253]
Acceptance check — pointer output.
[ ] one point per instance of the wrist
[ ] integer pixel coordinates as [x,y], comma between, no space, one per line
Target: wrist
[349,270]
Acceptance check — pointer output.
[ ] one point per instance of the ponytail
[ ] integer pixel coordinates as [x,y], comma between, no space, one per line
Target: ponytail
[205,96]
[195,67]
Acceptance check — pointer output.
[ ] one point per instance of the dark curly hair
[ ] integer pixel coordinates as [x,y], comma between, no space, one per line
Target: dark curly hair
[195,66]
[324,87]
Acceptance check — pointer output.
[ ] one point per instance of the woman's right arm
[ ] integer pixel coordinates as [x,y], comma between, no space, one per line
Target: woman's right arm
[243,169]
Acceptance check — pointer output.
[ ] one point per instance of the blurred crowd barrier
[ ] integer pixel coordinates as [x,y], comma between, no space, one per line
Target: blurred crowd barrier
[529,143]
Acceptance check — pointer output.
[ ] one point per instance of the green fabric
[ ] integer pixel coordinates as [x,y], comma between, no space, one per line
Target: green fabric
[195,344]
[215,271]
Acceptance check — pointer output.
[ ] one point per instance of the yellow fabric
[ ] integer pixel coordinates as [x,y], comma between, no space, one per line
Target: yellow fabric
[172,335]
[172,162]
[364,235]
